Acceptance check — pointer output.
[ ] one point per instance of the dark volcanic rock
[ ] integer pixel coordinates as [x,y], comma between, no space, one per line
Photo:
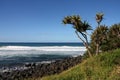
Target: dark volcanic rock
[41,69]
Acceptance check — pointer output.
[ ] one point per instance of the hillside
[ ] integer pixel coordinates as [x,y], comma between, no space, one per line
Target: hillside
[105,66]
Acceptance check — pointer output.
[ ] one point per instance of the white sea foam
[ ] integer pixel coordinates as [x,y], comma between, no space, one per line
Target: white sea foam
[46,48]
[25,50]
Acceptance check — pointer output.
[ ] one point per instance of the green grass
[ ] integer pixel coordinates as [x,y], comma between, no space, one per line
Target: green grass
[101,67]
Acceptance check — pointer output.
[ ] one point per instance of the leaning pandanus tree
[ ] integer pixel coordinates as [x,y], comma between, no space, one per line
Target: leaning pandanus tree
[81,28]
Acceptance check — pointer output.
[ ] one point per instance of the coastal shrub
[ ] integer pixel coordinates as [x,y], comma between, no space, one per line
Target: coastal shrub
[113,38]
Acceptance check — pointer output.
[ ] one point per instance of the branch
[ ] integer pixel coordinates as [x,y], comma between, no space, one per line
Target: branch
[85,36]
[85,44]
[80,38]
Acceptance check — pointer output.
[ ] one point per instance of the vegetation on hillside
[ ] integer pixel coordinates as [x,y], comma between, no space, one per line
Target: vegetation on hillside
[105,66]
[104,40]
[113,38]
[103,52]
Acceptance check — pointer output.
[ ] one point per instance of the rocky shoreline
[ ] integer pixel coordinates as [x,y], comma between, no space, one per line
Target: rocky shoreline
[30,70]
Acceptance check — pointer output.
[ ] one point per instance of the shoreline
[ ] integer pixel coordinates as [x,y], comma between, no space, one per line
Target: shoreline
[39,69]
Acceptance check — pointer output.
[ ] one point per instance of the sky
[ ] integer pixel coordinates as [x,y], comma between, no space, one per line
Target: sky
[41,20]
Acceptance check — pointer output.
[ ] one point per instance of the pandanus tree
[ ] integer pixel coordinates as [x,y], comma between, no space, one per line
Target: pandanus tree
[99,36]
[80,27]
[99,18]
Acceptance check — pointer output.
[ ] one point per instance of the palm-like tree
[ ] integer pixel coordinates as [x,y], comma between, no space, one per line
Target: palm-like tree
[99,18]
[99,36]
[80,28]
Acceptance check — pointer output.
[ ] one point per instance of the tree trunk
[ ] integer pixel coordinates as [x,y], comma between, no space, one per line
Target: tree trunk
[88,49]
[97,43]
[85,44]
[97,49]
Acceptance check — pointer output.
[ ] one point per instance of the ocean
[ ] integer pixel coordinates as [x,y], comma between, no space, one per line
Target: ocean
[19,53]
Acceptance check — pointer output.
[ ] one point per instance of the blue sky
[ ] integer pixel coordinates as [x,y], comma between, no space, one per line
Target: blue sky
[41,20]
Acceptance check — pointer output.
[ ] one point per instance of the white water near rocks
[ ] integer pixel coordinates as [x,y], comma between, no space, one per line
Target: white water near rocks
[20,53]
[15,55]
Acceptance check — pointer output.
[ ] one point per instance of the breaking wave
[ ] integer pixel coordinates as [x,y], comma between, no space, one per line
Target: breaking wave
[47,48]
[23,50]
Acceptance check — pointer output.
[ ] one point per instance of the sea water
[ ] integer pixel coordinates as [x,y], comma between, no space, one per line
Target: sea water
[20,53]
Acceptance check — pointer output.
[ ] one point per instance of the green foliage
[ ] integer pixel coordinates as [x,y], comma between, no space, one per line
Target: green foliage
[78,24]
[99,34]
[113,38]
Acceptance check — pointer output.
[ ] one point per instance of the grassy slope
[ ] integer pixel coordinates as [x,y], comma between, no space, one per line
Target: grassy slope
[102,67]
